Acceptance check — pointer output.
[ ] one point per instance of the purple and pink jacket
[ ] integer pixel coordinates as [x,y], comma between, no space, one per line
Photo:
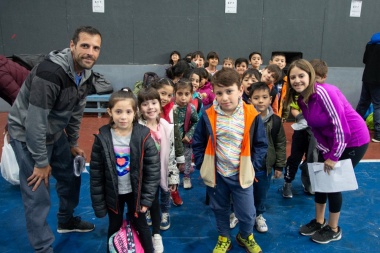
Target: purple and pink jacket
[333,121]
[207,88]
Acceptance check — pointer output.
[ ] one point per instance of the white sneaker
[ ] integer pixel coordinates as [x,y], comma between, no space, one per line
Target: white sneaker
[187,183]
[261,226]
[157,243]
[233,220]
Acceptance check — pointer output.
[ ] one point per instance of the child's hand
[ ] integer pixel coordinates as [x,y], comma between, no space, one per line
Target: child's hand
[172,187]
[203,95]
[329,165]
[181,167]
[277,174]
[143,209]
[186,140]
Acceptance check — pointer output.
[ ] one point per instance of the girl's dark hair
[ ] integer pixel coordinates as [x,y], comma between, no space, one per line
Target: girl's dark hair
[177,70]
[212,55]
[170,57]
[240,61]
[123,94]
[158,84]
[145,94]
[198,53]
[183,83]
[252,72]
[202,73]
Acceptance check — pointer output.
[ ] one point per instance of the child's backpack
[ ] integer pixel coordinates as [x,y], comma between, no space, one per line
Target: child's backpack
[197,102]
[149,78]
[125,240]
[275,128]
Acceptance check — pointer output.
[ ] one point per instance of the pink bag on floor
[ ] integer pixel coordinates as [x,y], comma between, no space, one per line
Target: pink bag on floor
[126,240]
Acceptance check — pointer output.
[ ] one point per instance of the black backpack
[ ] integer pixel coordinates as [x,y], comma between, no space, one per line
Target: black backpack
[275,127]
[148,79]
[28,61]
[101,84]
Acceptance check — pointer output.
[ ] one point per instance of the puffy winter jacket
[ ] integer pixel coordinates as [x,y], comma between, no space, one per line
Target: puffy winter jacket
[12,76]
[144,169]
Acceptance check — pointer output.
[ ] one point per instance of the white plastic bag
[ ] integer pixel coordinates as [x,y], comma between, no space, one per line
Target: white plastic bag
[9,165]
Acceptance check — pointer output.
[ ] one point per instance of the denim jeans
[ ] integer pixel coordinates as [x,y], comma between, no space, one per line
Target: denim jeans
[260,190]
[161,204]
[37,203]
[220,203]
[371,94]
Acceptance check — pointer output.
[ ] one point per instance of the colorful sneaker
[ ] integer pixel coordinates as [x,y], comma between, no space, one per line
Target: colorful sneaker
[75,224]
[157,243]
[326,235]
[223,245]
[165,221]
[287,190]
[249,244]
[177,201]
[148,218]
[261,225]
[233,220]
[312,227]
[187,183]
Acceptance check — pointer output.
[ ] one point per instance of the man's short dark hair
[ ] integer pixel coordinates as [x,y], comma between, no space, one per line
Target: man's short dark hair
[84,29]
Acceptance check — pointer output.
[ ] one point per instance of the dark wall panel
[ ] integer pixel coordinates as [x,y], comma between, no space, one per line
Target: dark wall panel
[146,31]
[230,35]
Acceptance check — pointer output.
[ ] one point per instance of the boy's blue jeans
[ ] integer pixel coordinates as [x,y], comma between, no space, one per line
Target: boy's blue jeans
[260,190]
[220,203]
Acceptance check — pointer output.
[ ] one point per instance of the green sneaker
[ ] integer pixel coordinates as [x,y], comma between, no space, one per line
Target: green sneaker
[223,245]
[249,244]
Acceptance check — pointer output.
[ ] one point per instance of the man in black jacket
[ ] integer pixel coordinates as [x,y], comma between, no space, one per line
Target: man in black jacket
[44,126]
[371,83]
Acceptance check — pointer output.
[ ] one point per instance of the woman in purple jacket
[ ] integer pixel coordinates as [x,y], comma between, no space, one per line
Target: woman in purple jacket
[341,134]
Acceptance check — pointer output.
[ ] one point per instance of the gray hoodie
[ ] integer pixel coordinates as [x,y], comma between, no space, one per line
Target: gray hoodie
[49,103]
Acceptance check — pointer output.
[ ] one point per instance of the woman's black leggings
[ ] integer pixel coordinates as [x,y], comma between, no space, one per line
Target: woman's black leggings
[335,198]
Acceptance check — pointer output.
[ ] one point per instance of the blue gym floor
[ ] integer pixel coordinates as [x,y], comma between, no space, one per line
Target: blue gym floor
[193,226]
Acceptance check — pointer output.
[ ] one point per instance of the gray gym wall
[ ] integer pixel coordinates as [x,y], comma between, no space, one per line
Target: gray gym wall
[138,36]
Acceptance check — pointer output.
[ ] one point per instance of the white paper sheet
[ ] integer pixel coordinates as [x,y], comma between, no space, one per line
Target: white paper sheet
[98,6]
[231,6]
[356,8]
[341,178]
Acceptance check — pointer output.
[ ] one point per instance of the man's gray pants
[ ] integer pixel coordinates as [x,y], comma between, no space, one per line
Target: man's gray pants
[37,203]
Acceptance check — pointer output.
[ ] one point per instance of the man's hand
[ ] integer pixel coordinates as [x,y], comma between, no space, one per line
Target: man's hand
[38,175]
[77,151]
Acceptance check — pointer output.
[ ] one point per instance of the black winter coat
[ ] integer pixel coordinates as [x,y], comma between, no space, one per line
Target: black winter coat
[144,169]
